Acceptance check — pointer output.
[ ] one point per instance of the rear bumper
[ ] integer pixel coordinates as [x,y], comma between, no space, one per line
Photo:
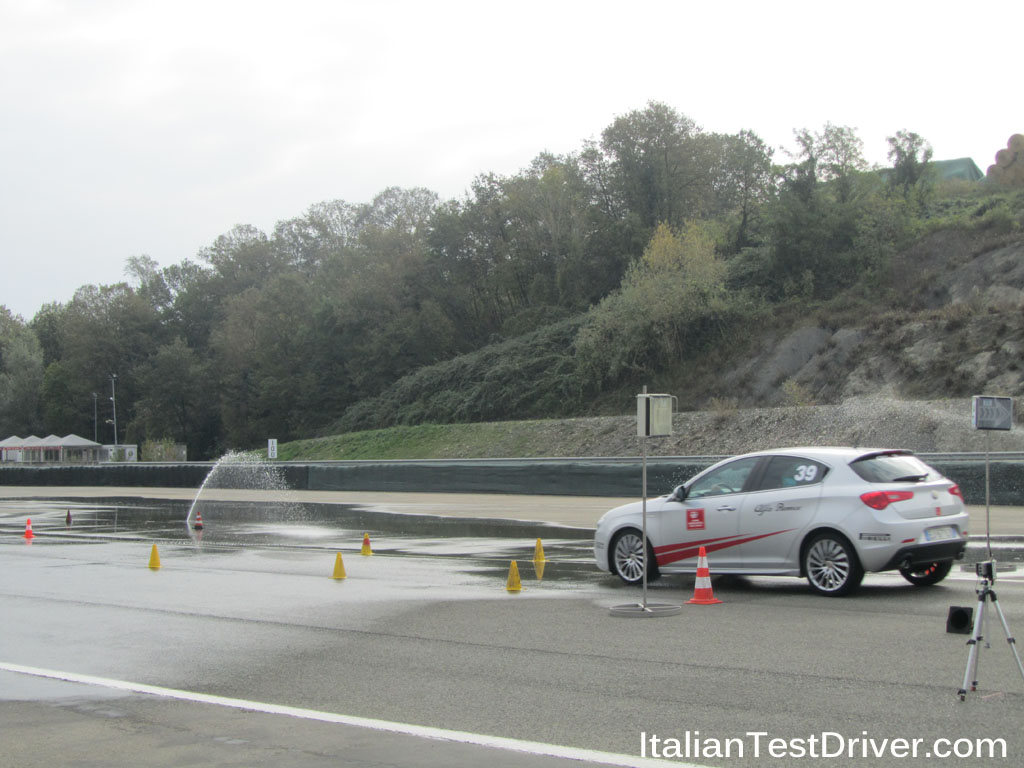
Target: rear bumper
[921,554]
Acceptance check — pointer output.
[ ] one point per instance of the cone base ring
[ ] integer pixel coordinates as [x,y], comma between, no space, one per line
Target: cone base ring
[645,611]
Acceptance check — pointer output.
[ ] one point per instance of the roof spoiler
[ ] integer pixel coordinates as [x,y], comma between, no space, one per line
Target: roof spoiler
[886,452]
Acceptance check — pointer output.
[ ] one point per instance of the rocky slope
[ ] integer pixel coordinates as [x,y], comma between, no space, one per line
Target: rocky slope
[958,332]
[923,426]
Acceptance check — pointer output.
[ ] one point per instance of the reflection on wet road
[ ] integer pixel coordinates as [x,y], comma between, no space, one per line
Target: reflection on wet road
[482,545]
[331,526]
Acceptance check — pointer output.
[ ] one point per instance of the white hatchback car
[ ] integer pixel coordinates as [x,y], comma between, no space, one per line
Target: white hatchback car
[829,514]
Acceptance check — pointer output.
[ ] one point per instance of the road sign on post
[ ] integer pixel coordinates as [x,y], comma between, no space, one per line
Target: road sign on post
[653,419]
[654,415]
[272,448]
[992,412]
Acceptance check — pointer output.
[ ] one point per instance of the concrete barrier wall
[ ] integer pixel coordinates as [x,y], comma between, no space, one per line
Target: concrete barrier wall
[572,477]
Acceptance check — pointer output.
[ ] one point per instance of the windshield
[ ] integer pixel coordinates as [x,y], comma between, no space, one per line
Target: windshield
[893,468]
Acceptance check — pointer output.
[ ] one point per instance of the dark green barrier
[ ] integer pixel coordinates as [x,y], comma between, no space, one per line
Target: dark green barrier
[564,477]
[1006,480]
[580,477]
[572,477]
[183,475]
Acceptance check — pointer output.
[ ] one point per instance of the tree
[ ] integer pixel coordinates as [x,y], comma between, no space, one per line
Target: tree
[813,220]
[743,179]
[103,330]
[48,325]
[658,165]
[910,154]
[841,159]
[669,306]
[175,399]
[64,404]
[326,231]
[259,355]
[21,376]
[148,282]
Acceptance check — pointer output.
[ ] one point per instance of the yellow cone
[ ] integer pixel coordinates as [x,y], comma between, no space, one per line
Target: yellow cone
[514,585]
[339,567]
[154,558]
[366,545]
[538,553]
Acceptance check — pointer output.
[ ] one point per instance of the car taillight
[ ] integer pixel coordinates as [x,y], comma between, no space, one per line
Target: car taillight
[955,491]
[882,499]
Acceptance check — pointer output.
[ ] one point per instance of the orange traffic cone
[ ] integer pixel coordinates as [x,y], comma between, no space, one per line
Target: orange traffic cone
[67,520]
[199,521]
[28,529]
[702,594]
[366,545]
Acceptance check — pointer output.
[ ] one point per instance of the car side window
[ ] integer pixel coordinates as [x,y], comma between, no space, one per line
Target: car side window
[729,478]
[791,471]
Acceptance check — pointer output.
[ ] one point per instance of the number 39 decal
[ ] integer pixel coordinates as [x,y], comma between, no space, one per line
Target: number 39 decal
[805,473]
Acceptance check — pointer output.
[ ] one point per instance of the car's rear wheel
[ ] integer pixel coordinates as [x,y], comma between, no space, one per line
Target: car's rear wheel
[831,565]
[627,558]
[926,574]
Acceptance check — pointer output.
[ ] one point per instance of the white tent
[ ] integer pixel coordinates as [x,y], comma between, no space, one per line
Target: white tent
[10,449]
[49,449]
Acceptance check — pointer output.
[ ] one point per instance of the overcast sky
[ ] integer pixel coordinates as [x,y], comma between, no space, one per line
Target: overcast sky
[148,127]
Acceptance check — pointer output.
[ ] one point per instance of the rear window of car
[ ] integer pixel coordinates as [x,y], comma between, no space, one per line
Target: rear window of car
[893,468]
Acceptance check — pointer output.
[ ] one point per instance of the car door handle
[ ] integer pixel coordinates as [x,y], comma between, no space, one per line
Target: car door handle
[727,509]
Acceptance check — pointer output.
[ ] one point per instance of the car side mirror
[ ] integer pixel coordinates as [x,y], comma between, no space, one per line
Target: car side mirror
[679,494]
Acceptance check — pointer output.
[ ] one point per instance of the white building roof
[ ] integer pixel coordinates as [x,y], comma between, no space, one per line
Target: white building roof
[74,441]
[50,441]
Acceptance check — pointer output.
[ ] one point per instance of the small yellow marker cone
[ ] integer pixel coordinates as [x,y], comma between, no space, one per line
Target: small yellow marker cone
[339,567]
[514,585]
[154,558]
[538,553]
[366,545]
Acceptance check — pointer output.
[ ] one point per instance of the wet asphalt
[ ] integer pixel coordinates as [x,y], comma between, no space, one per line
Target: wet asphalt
[424,633]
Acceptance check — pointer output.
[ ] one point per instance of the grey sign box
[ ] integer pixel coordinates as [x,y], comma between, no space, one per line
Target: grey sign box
[992,412]
[653,415]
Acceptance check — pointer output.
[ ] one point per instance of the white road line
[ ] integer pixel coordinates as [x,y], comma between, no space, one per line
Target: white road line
[426,732]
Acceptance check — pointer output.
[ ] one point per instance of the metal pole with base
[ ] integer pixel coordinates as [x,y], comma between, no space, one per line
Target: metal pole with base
[988,514]
[645,609]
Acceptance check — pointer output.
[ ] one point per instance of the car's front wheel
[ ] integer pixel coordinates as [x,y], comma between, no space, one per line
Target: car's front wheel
[627,558]
[831,565]
[926,574]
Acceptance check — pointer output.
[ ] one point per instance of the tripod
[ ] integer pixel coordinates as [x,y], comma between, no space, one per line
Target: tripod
[987,575]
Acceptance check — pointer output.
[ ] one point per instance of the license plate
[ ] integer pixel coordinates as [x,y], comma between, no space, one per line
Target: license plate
[941,533]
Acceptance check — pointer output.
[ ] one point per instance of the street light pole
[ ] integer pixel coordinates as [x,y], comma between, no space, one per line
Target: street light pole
[95,423]
[113,400]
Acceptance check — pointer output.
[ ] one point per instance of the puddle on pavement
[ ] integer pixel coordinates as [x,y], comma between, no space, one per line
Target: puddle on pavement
[232,524]
[486,545]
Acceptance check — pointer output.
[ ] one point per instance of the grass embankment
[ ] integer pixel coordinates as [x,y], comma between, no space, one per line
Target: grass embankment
[425,441]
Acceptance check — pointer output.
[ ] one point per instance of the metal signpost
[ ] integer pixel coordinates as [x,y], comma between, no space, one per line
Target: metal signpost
[990,413]
[653,419]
